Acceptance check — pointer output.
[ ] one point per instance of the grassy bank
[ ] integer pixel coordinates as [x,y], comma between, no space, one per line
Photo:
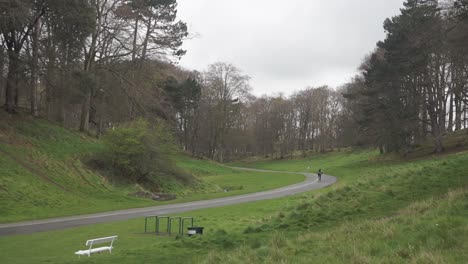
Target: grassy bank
[43,174]
[428,231]
[383,210]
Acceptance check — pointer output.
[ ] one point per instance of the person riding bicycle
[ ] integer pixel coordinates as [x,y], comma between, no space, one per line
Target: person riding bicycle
[319,173]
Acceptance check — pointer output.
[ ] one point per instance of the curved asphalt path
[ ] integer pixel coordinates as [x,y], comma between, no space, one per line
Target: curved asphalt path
[29,227]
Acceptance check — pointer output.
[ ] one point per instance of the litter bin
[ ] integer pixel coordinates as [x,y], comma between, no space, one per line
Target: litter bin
[195,231]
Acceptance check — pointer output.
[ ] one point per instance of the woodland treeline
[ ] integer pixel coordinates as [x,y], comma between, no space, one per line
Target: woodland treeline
[230,123]
[413,87]
[92,64]
[85,63]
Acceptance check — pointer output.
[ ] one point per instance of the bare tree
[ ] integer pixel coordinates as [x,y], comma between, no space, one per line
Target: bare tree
[17,22]
[224,87]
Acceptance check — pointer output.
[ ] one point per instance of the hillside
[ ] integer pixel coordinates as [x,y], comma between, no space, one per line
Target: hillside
[383,210]
[386,209]
[44,173]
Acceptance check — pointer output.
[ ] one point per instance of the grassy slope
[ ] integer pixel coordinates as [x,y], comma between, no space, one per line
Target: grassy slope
[382,211]
[429,231]
[42,175]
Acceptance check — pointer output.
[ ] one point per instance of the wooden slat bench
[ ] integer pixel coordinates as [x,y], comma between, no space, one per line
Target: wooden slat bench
[95,241]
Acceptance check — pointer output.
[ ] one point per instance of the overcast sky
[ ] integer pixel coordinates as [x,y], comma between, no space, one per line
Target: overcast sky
[285,46]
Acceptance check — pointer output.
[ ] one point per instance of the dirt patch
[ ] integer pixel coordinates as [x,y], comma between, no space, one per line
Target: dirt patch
[164,197]
[156,197]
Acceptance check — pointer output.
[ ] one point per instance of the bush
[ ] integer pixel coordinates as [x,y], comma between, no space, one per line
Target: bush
[142,152]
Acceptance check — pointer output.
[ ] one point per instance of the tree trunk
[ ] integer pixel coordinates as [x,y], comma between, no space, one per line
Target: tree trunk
[145,42]
[100,127]
[464,116]
[381,149]
[424,115]
[2,83]
[89,66]
[11,84]
[186,143]
[458,112]
[450,122]
[439,143]
[135,36]
[194,136]
[85,108]
[34,69]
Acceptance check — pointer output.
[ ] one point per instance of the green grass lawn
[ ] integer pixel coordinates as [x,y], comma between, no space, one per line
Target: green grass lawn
[332,160]
[383,210]
[224,228]
[242,183]
[42,175]
[428,231]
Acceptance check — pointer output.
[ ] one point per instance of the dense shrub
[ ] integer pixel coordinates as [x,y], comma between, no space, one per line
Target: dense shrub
[142,152]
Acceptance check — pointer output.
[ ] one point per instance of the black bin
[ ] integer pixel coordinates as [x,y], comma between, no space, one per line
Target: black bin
[196,230]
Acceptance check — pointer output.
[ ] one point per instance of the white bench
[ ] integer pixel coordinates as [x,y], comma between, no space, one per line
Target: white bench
[95,241]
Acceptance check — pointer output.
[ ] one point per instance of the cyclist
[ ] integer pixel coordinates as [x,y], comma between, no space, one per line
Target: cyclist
[319,173]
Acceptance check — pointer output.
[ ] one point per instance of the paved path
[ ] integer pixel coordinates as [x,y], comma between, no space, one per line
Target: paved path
[311,183]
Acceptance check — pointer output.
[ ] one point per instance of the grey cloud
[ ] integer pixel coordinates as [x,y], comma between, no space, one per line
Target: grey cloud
[300,42]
